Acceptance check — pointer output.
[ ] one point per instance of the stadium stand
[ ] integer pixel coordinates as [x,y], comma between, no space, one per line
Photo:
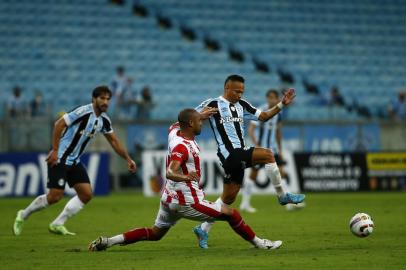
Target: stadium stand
[67,47]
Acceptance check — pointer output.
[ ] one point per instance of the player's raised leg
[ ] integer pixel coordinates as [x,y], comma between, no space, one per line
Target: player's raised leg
[265,156]
[74,205]
[39,203]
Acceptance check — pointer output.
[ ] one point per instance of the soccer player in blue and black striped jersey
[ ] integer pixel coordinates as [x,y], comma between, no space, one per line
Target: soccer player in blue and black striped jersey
[268,135]
[72,133]
[228,128]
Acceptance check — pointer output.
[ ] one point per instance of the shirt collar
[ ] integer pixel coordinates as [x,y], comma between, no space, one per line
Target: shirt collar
[225,100]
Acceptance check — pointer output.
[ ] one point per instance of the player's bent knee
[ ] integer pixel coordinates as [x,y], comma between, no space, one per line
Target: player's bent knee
[229,198]
[85,197]
[156,234]
[54,197]
[226,212]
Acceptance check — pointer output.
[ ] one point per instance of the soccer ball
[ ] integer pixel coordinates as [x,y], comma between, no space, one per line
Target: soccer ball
[361,225]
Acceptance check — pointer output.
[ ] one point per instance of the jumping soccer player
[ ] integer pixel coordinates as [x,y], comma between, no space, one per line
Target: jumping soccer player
[72,132]
[228,129]
[269,136]
[182,196]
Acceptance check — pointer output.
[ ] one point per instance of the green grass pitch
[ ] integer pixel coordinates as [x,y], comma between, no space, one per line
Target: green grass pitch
[316,237]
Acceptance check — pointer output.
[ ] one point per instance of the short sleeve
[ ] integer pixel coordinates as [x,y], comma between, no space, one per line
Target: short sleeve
[180,153]
[250,112]
[107,127]
[173,127]
[75,115]
[203,104]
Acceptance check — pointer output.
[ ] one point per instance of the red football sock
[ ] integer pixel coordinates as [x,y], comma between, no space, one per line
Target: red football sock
[139,234]
[237,223]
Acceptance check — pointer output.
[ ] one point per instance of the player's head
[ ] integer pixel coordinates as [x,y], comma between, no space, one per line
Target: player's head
[234,88]
[272,97]
[190,119]
[120,70]
[101,97]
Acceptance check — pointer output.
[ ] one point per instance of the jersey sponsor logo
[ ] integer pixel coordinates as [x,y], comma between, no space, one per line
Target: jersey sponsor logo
[231,119]
[192,150]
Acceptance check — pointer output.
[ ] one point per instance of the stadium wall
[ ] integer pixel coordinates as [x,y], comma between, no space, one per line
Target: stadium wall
[34,136]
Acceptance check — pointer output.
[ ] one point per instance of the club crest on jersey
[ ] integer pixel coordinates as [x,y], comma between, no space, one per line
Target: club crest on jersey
[231,119]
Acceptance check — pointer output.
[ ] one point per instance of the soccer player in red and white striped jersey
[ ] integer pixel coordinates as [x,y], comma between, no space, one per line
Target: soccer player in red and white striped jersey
[182,196]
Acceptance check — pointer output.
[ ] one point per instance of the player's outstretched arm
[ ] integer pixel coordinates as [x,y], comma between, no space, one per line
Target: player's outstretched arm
[173,173]
[207,112]
[59,126]
[120,150]
[288,97]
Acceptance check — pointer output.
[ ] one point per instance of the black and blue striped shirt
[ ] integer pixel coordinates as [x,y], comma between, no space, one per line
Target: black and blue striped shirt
[228,123]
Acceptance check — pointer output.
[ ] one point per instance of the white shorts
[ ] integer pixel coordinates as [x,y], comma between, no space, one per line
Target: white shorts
[169,214]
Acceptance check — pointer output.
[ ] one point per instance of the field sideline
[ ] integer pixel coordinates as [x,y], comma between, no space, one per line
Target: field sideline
[314,238]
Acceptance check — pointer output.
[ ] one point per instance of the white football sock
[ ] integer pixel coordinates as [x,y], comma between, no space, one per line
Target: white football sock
[115,240]
[285,185]
[256,241]
[246,193]
[206,226]
[71,208]
[37,204]
[273,173]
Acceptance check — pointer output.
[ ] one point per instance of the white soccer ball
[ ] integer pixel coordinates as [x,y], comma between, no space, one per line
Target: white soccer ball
[361,225]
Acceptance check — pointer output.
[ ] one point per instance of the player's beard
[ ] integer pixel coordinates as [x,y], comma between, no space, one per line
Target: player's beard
[103,108]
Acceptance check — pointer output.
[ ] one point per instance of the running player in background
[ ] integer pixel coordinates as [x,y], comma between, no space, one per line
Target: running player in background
[182,196]
[235,156]
[269,136]
[72,132]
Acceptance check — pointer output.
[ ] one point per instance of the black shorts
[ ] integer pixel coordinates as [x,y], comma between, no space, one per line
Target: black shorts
[235,164]
[59,174]
[277,159]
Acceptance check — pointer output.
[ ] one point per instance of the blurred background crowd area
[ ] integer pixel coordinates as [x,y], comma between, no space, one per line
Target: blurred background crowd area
[345,58]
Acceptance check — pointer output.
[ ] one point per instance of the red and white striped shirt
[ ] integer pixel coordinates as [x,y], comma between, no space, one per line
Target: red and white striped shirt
[187,152]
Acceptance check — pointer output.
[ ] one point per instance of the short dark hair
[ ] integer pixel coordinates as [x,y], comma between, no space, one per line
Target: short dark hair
[100,90]
[272,91]
[185,116]
[234,78]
